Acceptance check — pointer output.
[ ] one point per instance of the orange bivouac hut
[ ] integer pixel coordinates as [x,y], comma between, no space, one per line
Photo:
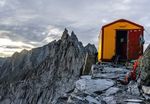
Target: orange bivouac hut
[120,38]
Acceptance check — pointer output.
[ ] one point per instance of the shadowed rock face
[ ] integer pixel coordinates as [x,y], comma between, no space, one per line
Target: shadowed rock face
[145,70]
[42,75]
[2,60]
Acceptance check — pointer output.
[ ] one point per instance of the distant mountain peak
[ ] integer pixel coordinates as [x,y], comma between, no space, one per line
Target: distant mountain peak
[65,34]
[73,36]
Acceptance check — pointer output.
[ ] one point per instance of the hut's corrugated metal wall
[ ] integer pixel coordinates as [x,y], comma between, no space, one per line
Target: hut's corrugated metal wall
[107,40]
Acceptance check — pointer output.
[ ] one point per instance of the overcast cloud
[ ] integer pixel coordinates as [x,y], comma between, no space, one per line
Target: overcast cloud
[32,23]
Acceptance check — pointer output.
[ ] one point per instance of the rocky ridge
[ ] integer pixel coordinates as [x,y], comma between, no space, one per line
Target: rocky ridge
[2,60]
[44,74]
[53,75]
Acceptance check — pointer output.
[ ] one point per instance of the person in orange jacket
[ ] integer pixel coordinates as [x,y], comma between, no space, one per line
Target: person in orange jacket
[135,73]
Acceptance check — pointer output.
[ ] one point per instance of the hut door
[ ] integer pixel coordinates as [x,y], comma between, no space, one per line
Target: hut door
[121,44]
[134,47]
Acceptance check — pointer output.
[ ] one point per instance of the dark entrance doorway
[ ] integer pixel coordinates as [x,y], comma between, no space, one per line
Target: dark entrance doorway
[121,44]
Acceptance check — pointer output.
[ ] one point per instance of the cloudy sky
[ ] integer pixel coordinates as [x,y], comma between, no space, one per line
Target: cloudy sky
[26,24]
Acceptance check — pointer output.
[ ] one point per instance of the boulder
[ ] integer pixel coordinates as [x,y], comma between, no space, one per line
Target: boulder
[145,68]
[110,100]
[111,91]
[133,101]
[93,85]
[133,88]
[92,100]
[99,71]
[146,89]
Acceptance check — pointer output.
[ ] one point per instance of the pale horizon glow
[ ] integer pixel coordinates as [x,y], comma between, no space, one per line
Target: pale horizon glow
[16,47]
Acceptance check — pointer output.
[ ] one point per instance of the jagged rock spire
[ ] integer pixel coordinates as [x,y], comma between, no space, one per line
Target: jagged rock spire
[65,34]
[63,58]
[90,48]
[73,36]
